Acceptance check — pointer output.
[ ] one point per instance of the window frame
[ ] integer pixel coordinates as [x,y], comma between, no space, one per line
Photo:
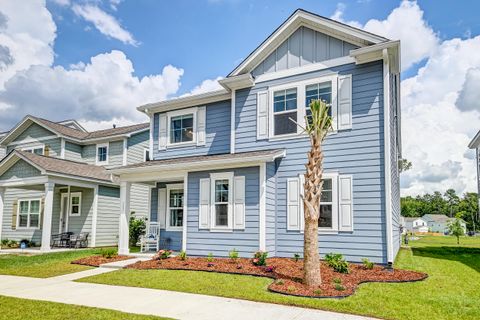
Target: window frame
[32,148]
[175,187]
[182,112]
[213,178]
[145,150]
[72,195]
[29,200]
[98,146]
[301,108]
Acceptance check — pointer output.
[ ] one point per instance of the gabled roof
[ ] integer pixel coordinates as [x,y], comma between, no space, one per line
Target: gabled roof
[54,166]
[441,218]
[70,133]
[313,21]
[475,143]
[73,123]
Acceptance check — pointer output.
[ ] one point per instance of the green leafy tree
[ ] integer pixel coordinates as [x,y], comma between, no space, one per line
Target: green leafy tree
[455,228]
[136,229]
[404,165]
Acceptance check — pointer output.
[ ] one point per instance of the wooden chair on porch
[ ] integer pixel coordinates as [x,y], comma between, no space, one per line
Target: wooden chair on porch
[151,239]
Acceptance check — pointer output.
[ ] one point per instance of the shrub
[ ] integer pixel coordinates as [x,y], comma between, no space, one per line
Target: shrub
[233,255]
[260,258]
[339,287]
[280,282]
[210,257]
[12,244]
[337,280]
[163,254]
[367,264]
[5,242]
[136,230]
[317,292]
[109,253]
[296,257]
[337,262]
[183,255]
[291,288]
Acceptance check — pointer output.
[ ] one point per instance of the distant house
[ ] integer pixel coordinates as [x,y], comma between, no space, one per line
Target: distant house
[440,222]
[414,224]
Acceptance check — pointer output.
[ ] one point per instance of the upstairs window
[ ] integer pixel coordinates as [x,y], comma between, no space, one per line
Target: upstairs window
[284,111]
[102,153]
[319,91]
[40,150]
[181,128]
[29,213]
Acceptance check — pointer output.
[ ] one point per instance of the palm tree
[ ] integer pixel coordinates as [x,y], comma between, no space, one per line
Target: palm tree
[318,124]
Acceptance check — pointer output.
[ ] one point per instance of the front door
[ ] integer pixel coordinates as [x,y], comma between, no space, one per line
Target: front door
[63,227]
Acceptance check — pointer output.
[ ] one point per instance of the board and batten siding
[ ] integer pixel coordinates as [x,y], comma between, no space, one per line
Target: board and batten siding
[217,133]
[202,242]
[136,145]
[108,216]
[303,47]
[357,152]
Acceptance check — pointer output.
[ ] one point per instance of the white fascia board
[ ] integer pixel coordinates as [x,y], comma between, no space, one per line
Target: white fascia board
[79,179]
[189,101]
[475,143]
[238,82]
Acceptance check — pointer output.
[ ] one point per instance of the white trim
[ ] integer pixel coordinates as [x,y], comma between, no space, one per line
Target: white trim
[170,187]
[232,122]
[149,204]
[150,141]
[33,147]
[64,195]
[23,182]
[47,216]
[185,212]
[2,209]
[125,151]
[177,113]
[221,176]
[29,200]
[318,66]
[145,150]
[262,225]
[31,140]
[101,145]
[123,233]
[93,241]
[70,206]
[388,173]
[62,148]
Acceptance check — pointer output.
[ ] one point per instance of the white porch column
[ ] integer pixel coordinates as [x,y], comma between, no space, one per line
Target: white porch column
[185,212]
[93,242]
[123,247]
[2,203]
[47,217]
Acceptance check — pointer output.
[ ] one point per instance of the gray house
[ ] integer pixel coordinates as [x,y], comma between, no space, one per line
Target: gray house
[439,223]
[227,166]
[54,179]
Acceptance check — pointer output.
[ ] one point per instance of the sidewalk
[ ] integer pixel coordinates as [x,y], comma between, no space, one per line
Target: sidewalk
[171,304]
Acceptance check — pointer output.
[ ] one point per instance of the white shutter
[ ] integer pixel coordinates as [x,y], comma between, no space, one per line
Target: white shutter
[345,102]
[301,194]
[345,188]
[239,202]
[201,125]
[162,131]
[162,207]
[262,115]
[204,204]
[293,204]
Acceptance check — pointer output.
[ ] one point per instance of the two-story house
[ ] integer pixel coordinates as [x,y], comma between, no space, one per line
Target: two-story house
[475,144]
[228,165]
[54,179]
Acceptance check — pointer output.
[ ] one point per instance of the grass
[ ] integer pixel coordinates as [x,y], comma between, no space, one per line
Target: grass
[450,292]
[44,265]
[23,309]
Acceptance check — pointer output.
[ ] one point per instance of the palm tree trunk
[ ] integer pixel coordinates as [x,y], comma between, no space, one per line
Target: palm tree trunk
[311,204]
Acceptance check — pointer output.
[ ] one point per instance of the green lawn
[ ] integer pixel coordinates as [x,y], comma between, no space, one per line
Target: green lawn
[451,291]
[22,309]
[44,265]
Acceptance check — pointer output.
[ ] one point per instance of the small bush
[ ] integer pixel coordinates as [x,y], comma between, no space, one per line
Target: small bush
[280,282]
[109,253]
[233,255]
[337,262]
[337,281]
[260,258]
[182,255]
[367,264]
[163,254]
[136,229]
[296,257]
[291,288]
[6,243]
[339,287]
[210,257]
[317,292]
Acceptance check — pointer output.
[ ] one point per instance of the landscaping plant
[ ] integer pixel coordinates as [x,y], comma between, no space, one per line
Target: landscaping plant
[233,255]
[260,258]
[367,264]
[455,228]
[296,257]
[163,254]
[137,228]
[183,255]
[337,262]
[210,257]
[108,253]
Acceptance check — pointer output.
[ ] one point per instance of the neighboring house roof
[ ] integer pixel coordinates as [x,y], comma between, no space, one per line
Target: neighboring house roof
[438,218]
[68,132]
[411,219]
[199,162]
[55,166]
[475,143]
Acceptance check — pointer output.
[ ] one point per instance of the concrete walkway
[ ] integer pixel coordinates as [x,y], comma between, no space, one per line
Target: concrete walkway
[171,304]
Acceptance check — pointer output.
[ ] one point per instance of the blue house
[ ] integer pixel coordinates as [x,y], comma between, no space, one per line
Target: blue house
[227,166]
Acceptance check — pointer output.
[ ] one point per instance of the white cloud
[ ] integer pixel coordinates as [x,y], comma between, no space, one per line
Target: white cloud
[206,86]
[338,15]
[105,23]
[469,98]
[61,2]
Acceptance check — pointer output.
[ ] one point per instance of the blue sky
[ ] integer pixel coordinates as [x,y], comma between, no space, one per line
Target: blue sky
[220,33]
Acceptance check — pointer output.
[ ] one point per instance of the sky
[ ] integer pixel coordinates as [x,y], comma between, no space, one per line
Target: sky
[97,60]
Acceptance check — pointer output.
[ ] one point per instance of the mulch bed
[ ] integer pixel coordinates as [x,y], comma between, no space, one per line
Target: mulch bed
[288,274]
[96,261]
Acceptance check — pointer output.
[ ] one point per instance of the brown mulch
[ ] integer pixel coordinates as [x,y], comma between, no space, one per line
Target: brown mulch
[96,261]
[289,274]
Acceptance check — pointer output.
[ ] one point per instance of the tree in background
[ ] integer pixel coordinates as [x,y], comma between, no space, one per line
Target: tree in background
[455,229]
[404,165]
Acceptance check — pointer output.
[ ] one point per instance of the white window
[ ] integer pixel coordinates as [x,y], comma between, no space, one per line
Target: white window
[102,153]
[146,154]
[35,149]
[182,127]
[326,205]
[285,111]
[29,213]
[175,198]
[318,91]
[75,204]
[221,200]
